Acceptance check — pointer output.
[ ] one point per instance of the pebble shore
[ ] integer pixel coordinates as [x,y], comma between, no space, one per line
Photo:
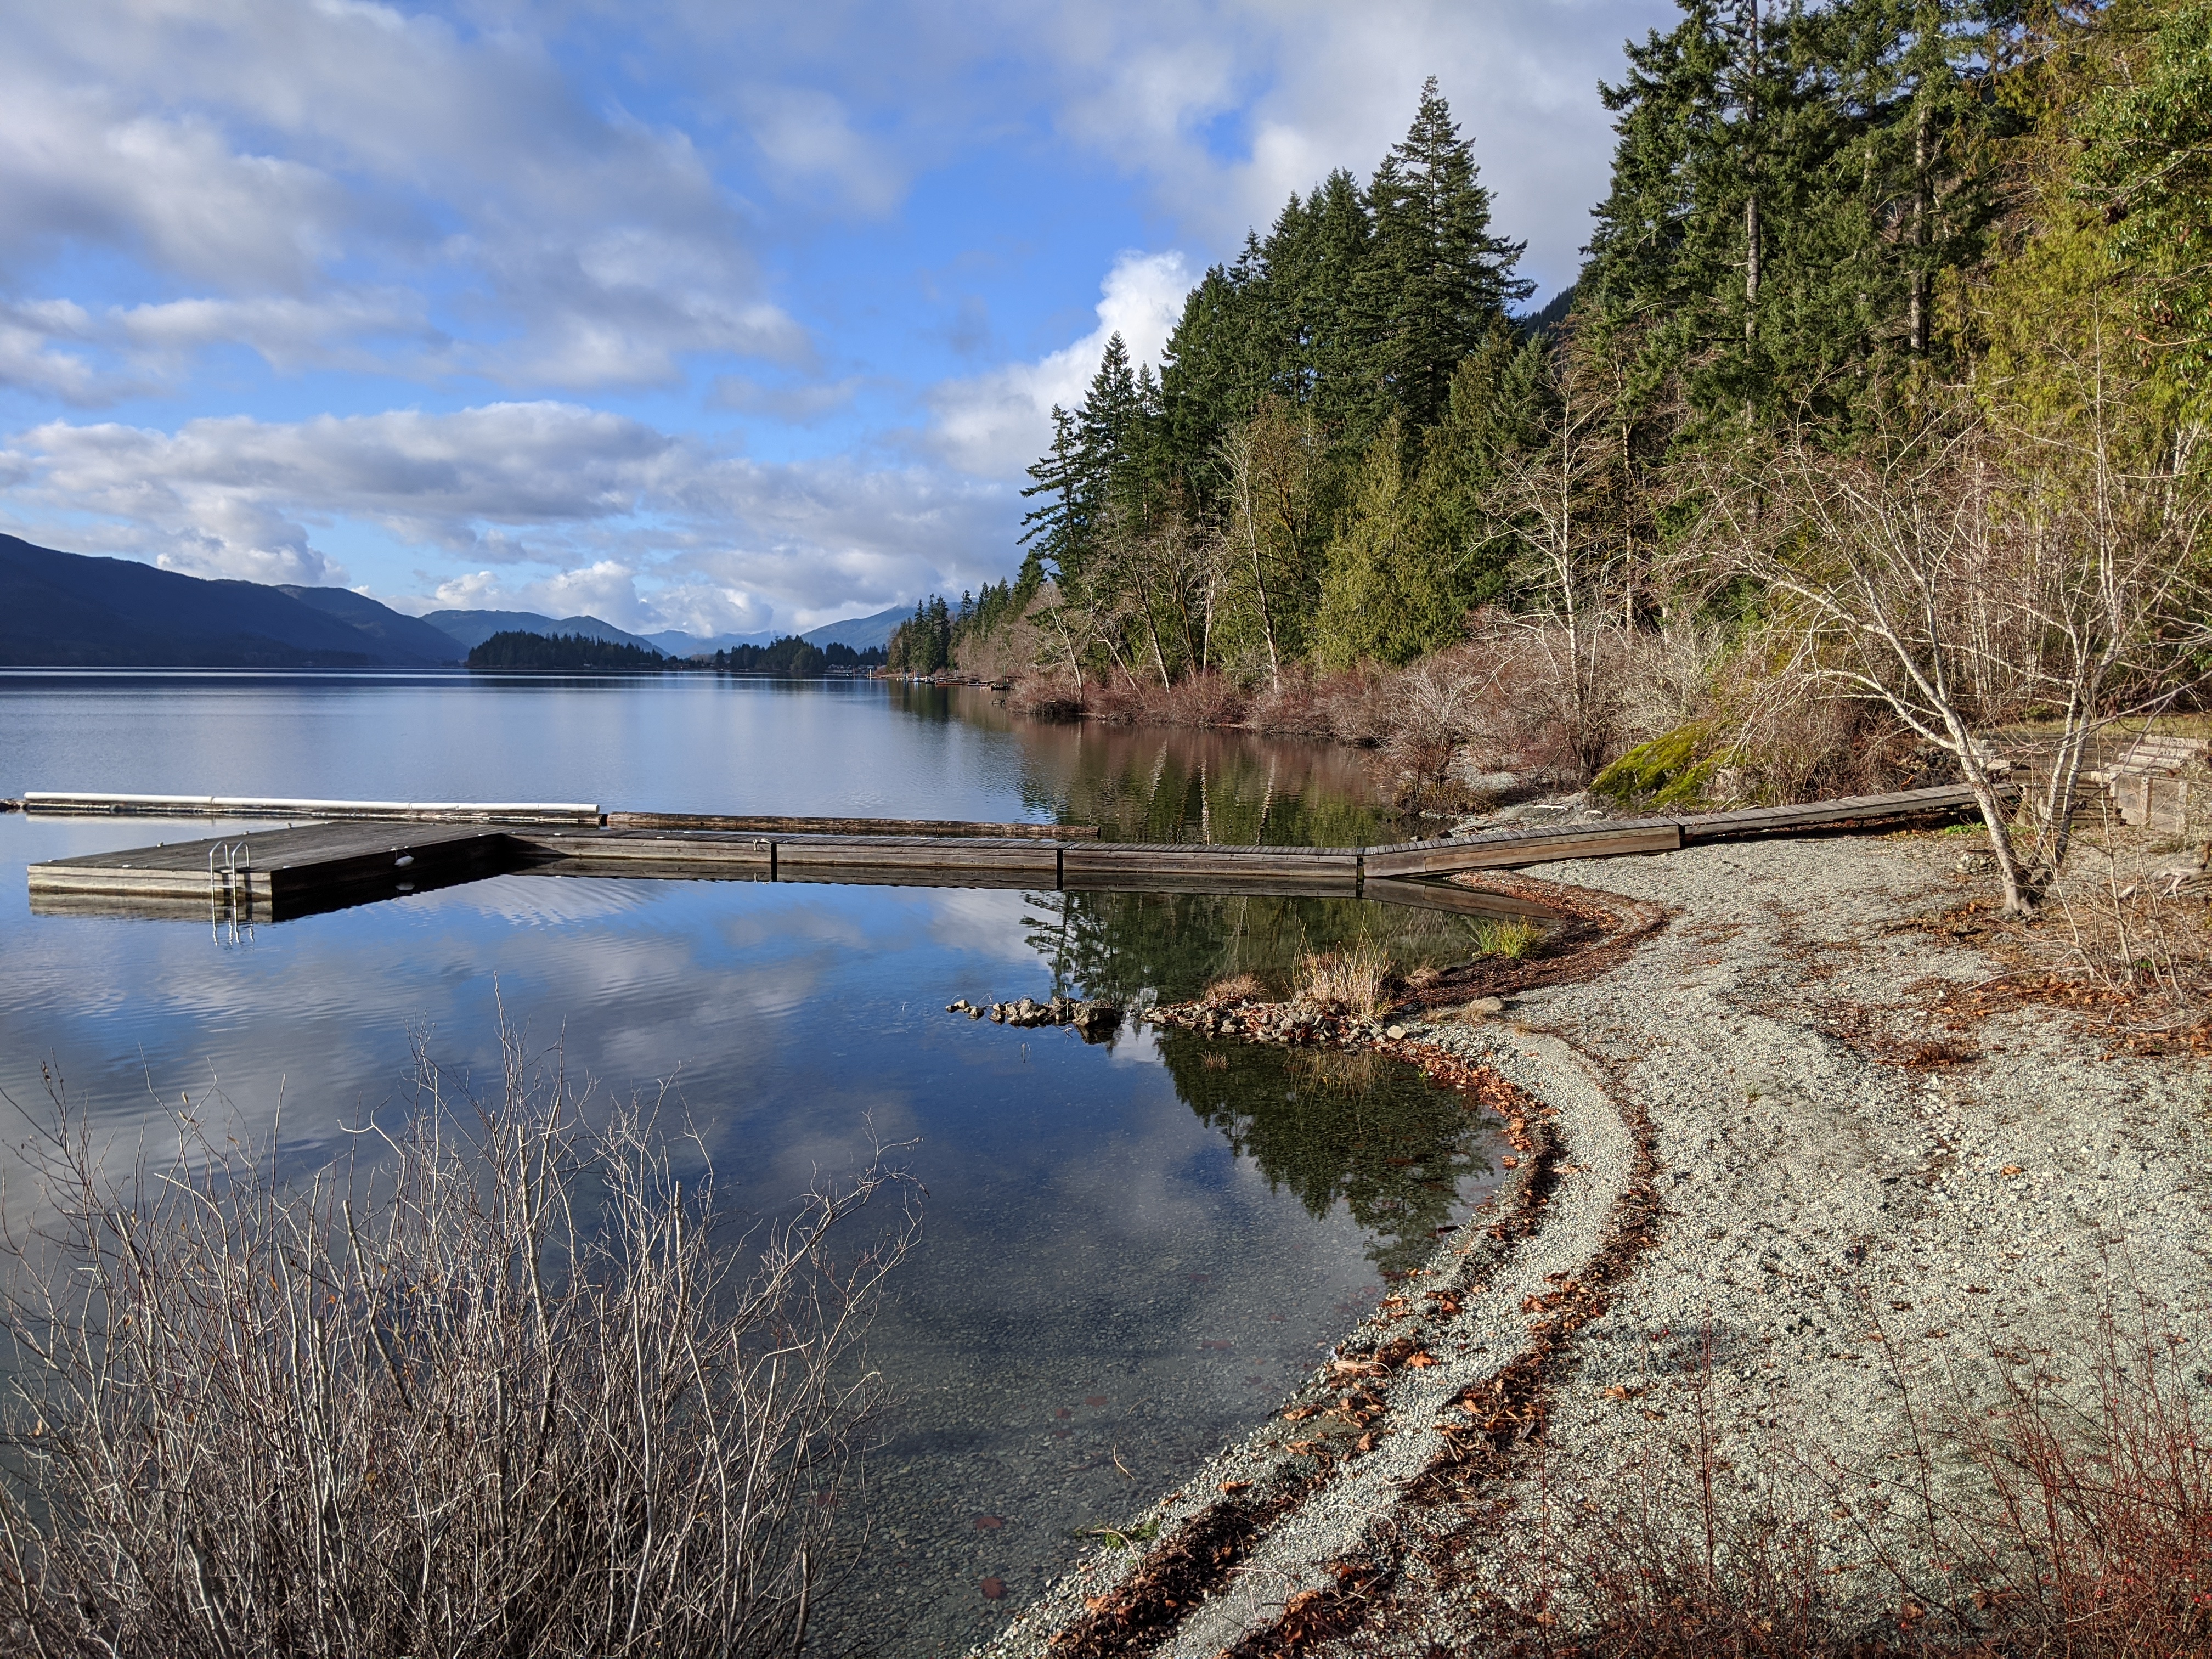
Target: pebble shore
[1751,1201]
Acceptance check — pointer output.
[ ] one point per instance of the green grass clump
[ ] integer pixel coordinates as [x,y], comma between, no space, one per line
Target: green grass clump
[1510,939]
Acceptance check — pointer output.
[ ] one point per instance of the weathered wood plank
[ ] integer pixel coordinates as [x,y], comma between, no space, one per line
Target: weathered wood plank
[84,803]
[283,869]
[1505,852]
[1329,884]
[823,826]
[917,853]
[1460,901]
[633,848]
[1289,863]
[1900,806]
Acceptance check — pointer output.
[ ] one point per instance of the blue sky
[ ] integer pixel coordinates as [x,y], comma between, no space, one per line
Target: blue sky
[698,315]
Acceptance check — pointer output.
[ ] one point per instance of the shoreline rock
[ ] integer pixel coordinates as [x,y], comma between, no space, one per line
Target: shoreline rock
[1094,1021]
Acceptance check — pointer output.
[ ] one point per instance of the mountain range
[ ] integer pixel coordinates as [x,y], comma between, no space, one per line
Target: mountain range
[70,610]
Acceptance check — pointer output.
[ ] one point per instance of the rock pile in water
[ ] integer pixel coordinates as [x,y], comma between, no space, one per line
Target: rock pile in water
[1094,1021]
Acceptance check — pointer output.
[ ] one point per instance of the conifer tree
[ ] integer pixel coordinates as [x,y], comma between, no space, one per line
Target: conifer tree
[1436,280]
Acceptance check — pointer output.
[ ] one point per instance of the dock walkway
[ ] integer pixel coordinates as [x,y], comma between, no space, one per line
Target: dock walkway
[353,853]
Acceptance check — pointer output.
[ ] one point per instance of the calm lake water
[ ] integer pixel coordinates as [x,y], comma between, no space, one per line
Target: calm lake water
[1130,1248]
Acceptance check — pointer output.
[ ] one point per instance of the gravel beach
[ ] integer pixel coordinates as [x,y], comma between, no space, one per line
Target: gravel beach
[1800,1199]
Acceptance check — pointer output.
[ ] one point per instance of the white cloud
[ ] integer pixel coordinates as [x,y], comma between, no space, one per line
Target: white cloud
[546,506]
[254,150]
[1303,87]
[994,424]
[808,139]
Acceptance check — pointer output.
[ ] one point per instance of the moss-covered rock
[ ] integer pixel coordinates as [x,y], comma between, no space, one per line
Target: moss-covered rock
[1675,769]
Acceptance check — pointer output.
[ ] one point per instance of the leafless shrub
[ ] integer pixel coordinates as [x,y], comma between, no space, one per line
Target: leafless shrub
[1047,695]
[490,1388]
[1669,676]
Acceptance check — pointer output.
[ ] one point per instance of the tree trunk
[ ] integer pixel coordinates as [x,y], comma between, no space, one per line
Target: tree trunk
[1751,226]
[1918,321]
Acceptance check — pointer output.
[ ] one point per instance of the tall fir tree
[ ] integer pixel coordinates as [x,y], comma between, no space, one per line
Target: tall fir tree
[1436,279]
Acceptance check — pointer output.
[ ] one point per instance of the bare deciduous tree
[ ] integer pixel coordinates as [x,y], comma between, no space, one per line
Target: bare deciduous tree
[1961,584]
[1879,571]
[1562,499]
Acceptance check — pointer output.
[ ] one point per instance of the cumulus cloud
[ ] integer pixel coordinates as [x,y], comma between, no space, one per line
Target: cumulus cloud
[546,506]
[994,424]
[796,404]
[254,151]
[521,210]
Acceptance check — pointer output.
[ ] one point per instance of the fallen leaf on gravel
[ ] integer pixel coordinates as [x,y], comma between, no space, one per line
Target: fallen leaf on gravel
[1617,1392]
[1236,1485]
[990,1522]
[1510,1162]
[993,1589]
[1420,1361]
[1978,1290]
[1366,1442]
[2012,1169]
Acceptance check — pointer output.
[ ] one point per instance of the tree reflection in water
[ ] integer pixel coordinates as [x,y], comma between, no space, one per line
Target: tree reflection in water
[1147,783]
[1328,1124]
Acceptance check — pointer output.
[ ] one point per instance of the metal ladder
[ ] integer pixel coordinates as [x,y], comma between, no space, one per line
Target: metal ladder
[230,892]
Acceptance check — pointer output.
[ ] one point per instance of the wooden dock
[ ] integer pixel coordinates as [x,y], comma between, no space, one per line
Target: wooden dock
[273,874]
[359,858]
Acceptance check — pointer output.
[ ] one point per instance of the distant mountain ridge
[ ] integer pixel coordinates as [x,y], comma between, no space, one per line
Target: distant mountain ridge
[78,610]
[73,610]
[859,632]
[471,629]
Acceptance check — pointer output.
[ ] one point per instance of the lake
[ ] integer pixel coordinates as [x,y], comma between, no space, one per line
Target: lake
[1130,1248]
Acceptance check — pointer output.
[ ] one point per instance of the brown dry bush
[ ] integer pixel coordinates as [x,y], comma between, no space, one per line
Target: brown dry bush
[494,1387]
[2037,1523]
[1047,697]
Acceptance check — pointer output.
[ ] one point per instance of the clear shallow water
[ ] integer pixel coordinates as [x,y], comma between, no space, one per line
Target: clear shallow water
[1130,1248]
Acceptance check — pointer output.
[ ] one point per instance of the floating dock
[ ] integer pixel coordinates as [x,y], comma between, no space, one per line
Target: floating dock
[357,853]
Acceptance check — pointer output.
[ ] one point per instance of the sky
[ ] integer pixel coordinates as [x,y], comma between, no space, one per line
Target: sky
[686,314]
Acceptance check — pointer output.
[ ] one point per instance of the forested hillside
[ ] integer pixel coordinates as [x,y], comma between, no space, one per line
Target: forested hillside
[517,649]
[1883,299]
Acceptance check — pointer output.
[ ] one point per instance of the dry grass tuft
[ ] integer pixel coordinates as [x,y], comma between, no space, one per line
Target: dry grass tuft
[1351,981]
[1237,987]
[2050,1523]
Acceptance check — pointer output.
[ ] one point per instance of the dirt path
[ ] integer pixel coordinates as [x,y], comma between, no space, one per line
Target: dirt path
[1788,1208]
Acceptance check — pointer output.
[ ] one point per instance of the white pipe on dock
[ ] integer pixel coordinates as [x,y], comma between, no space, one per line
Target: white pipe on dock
[266,806]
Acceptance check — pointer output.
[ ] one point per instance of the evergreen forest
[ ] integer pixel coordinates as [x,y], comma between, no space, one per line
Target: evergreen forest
[516,649]
[792,658]
[1859,260]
